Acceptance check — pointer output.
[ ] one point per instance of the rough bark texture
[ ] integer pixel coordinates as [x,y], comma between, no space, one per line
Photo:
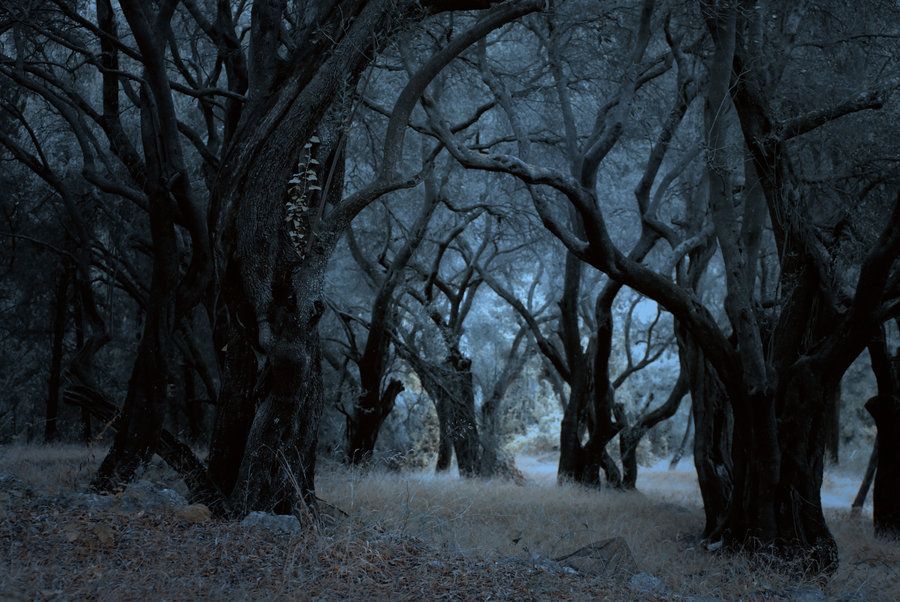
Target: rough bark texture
[237,403]
[712,436]
[365,423]
[450,386]
[885,409]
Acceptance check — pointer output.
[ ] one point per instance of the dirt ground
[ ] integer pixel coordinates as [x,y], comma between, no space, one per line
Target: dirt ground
[388,536]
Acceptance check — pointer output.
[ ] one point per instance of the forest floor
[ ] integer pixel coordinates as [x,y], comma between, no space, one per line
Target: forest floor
[392,536]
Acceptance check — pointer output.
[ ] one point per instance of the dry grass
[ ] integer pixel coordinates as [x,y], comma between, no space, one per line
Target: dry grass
[408,537]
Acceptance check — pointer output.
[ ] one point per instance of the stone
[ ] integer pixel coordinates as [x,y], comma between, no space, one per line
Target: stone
[194,513]
[144,495]
[610,558]
[279,523]
[77,500]
[647,584]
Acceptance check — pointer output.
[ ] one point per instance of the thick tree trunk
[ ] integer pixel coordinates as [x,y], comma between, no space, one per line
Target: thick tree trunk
[451,388]
[237,402]
[463,426]
[575,463]
[777,503]
[712,435]
[489,466]
[277,472]
[886,494]
[143,413]
[885,409]
[364,424]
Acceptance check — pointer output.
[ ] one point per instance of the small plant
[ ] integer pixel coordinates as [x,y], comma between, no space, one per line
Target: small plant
[303,186]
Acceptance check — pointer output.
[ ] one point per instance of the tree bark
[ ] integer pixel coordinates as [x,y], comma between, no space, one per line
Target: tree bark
[450,385]
[237,403]
[885,409]
[364,424]
[60,307]
[491,464]
[277,472]
[860,500]
[631,436]
[833,428]
[712,436]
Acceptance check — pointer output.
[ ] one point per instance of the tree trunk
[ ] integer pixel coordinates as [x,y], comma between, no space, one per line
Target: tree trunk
[886,494]
[489,465]
[574,464]
[60,306]
[175,453]
[833,427]
[364,424]
[679,453]
[277,472]
[860,500]
[712,435]
[450,386]
[142,417]
[631,436]
[885,409]
[193,409]
[237,402]
[777,503]
[445,442]
[592,397]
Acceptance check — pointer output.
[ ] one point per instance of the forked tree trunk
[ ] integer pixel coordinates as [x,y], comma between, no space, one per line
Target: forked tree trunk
[631,436]
[364,424]
[591,398]
[143,412]
[450,385]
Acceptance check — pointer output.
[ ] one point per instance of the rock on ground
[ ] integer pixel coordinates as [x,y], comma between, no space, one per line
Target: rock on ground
[647,584]
[610,558]
[281,523]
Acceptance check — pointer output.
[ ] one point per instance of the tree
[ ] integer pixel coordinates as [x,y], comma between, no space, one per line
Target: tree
[775,500]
